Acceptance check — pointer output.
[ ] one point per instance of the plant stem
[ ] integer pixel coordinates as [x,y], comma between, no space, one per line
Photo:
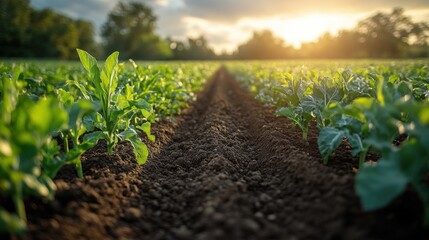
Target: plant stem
[362,157]
[325,160]
[66,144]
[304,135]
[79,169]
[19,201]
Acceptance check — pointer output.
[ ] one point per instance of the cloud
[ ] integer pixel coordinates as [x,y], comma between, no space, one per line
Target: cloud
[232,11]
[225,23]
[92,10]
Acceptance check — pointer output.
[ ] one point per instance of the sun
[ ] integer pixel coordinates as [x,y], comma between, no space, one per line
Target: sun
[309,27]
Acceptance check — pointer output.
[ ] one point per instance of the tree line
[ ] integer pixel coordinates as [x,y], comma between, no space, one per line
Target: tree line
[130,29]
[382,35]
[26,32]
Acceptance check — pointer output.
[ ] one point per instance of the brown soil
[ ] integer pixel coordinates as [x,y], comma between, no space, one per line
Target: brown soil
[226,169]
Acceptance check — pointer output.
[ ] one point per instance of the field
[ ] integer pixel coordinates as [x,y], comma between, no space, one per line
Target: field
[261,150]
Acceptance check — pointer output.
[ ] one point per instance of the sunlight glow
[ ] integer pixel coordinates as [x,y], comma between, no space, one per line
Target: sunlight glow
[304,28]
[294,31]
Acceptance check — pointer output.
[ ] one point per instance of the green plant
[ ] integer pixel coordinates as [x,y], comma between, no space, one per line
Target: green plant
[378,184]
[25,137]
[115,111]
[81,140]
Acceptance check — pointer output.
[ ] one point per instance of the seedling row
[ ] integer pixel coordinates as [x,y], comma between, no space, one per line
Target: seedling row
[51,115]
[368,105]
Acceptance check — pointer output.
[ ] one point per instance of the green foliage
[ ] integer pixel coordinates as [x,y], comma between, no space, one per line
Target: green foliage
[114,114]
[11,223]
[263,45]
[76,130]
[330,139]
[194,48]
[405,164]
[27,32]
[25,141]
[51,114]
[368,107]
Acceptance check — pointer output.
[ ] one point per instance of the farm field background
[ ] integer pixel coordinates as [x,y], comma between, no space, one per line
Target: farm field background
[220,163]
[190,119]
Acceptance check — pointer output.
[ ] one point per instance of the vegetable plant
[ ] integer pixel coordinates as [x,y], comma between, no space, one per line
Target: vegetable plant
[115,112]
[25,138]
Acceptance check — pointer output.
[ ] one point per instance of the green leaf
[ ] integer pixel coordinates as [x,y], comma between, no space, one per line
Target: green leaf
[11,223]
[298,116]
[127,134]
[37,187]
[88,61]
[378,185]
[65,97]
[91,139]
[47,116]
[329,140]
[109,75]
[140,150]
[356,143]
[111,63]
[77,110]
[145,127]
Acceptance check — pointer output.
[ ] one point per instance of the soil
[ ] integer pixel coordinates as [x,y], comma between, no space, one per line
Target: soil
[226,168]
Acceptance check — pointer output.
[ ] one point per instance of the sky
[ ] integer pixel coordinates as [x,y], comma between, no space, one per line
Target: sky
[228,23]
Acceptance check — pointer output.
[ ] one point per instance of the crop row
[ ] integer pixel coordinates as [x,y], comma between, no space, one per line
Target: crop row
[51,115]
[368,105]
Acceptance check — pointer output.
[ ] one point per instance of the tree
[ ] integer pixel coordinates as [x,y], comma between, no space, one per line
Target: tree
[386,35]
[378,36]
[54,35]
[130,29]
[195,49]
[263,45]
[14,22]
[26,32]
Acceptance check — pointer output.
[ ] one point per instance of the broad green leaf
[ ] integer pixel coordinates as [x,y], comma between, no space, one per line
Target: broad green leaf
[127,134]
[111,63]
[356,143]
[47,116]
[88,61]
[145,127]
[377,185]
[140,150]
[329,140]
[91,139]
[90,64]
[77,110]
[109,76]
[284,111]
